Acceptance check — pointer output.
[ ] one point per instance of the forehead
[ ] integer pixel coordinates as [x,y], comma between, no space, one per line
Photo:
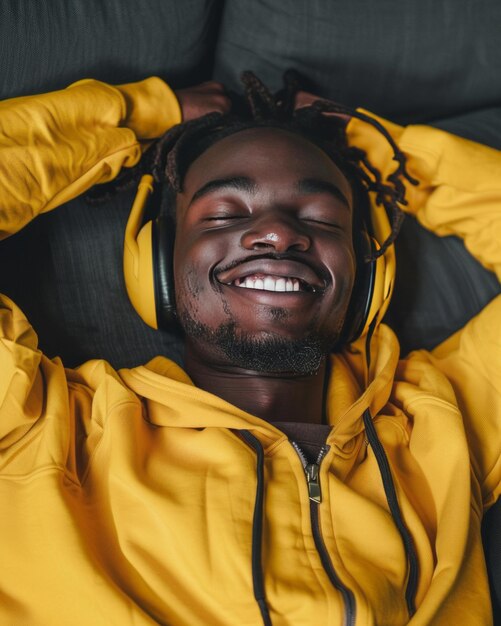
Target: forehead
[270,156]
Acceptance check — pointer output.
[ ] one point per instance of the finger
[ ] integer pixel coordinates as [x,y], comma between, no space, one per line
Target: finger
[225,105]
[213,85]
[305,99]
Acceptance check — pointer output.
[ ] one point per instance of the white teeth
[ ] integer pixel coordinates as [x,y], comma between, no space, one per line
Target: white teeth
[269,283]
[280,284]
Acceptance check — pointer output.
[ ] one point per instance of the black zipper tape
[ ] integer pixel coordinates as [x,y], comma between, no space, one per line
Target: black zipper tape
[391,497]
[257,528]
[348,597]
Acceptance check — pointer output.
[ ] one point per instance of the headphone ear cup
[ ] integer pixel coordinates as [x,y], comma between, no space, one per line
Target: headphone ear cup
[138,256]
[363,290]
[163,231]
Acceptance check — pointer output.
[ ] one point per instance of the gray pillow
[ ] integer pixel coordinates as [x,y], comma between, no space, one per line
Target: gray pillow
[47,44]
[405,60]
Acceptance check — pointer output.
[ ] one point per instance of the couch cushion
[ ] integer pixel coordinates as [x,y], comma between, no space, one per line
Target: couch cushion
[405,60]
[47,45]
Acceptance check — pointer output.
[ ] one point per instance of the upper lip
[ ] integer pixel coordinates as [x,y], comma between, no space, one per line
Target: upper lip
[286,268]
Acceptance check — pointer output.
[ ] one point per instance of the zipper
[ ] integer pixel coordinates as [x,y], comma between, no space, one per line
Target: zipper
[312,473]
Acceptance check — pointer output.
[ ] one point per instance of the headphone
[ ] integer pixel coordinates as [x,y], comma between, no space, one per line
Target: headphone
[149,275]
[148,260]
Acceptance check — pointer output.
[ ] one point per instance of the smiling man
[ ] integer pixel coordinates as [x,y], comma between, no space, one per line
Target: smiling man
[264,268]
[296,471]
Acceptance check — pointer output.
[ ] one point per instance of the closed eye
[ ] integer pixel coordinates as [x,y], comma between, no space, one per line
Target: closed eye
[323,223]
[224,218]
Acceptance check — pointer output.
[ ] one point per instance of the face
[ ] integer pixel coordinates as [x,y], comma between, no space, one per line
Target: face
[264,262]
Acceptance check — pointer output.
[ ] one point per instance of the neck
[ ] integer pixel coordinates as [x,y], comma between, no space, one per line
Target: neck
[277,397]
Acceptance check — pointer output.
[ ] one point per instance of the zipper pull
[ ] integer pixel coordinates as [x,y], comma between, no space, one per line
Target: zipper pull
[311,471]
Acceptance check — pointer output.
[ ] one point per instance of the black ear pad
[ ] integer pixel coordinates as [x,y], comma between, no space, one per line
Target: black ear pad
[363,289]
[163,234]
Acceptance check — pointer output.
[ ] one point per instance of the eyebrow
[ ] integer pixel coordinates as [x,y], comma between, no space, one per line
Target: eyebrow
[248,185]
[314,185]
[238,183]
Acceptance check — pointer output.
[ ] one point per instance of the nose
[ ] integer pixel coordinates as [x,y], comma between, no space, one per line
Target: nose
[276,231]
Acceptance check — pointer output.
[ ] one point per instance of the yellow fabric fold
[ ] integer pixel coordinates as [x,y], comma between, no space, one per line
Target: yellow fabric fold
[55,146]
[459,183]
[140,485]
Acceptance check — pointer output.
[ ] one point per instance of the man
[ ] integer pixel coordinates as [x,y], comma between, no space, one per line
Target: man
[269,482]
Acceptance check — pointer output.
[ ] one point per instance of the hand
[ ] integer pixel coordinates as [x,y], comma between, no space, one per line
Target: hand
[202,99]
[305,99]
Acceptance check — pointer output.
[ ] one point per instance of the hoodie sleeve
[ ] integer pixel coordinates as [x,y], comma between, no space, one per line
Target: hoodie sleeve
[459,191]
[55,146]
[52,148]
[471,361]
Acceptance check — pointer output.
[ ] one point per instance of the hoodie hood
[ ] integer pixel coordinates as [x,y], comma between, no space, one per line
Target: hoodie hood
[172,400]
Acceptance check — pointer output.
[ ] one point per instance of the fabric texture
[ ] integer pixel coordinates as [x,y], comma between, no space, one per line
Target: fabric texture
[71,287]
[425,61]
[410,62]
[46,45]
[139,471]
[95,130]
[439,284]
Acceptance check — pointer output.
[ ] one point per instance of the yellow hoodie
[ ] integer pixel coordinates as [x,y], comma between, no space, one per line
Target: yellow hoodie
[133,497]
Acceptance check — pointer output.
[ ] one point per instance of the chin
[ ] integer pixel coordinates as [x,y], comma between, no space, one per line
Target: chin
[260,351]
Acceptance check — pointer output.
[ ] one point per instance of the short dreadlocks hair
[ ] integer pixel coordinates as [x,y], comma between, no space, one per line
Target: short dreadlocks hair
[169,158]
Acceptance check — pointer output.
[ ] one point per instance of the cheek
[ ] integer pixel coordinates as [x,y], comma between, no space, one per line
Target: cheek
[193,264]
[341,264]
[187,280]
[348,277]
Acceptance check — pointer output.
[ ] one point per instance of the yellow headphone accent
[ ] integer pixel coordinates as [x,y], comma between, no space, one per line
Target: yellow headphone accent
[385,269]
[138,256]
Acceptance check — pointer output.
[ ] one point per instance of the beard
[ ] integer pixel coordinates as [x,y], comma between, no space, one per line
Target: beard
[267,352]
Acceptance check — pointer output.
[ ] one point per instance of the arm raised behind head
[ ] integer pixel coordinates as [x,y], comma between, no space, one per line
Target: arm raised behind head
[55,146]
[459,191]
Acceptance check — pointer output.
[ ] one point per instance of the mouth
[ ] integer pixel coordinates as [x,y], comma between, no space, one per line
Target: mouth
[267,282]
[282,276]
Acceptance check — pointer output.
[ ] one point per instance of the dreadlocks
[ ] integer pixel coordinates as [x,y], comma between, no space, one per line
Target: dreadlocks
[169,158]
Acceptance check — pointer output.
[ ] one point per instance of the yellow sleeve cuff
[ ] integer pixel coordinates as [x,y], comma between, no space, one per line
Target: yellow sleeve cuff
[379,152]
[151,107]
